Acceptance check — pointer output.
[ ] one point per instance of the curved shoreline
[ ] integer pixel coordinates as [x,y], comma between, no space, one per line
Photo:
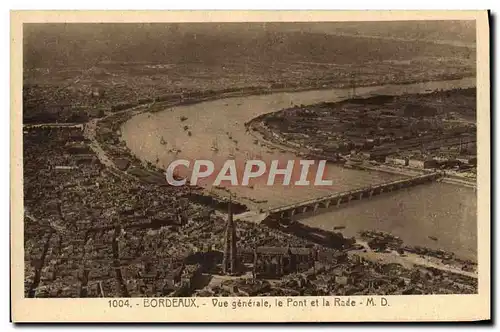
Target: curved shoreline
[119,118]
[222,120]
[244,92]
[99,147]
[219,119]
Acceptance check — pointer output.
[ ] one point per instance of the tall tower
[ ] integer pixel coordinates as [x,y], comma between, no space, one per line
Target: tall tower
[230,260]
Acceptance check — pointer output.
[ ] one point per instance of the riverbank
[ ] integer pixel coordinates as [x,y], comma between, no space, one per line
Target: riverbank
[447,178]
[264,139]
[411,260]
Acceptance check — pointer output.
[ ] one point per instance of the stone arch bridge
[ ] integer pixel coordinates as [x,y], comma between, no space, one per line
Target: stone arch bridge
[337,199]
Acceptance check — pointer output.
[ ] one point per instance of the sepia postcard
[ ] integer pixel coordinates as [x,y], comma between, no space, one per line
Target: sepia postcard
[250,166]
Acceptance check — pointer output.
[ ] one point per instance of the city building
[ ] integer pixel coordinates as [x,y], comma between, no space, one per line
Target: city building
[397,161]
[274,262]
[423,163]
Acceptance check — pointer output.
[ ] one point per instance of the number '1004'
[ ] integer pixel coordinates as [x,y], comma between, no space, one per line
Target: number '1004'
[118,303]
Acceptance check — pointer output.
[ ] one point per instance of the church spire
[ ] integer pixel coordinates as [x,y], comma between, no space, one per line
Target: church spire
[230,260]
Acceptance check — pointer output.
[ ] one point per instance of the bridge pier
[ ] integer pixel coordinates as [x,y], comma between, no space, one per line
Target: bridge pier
[371,193]
[360,195]
[316,207]
[327,203]
[339,201]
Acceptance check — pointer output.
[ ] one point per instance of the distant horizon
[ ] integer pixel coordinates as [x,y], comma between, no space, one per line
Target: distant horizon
[66,44]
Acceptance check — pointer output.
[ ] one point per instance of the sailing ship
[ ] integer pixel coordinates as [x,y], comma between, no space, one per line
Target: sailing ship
[231,154]
[175,150]
[214,147]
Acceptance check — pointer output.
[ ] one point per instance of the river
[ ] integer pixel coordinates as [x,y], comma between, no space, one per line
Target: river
[445,211]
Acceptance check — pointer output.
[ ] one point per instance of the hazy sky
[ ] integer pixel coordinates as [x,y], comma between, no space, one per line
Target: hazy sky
[79,43]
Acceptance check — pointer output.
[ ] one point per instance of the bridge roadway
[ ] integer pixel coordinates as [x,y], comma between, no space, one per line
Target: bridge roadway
[337,199]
